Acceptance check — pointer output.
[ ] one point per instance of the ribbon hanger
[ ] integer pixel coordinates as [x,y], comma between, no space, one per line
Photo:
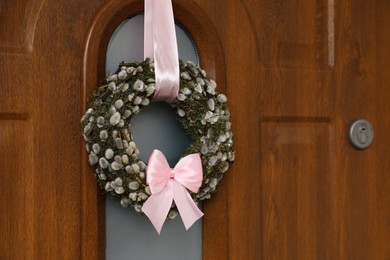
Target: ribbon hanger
[160,44]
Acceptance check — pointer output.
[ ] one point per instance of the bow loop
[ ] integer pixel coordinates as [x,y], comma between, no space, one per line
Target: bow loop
[187,170]
[169,185]
[158,172]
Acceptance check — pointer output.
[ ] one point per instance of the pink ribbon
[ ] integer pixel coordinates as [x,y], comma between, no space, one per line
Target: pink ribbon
[169,185]
[160,44]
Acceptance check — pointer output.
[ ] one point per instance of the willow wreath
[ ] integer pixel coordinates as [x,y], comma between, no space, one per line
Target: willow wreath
[114,155]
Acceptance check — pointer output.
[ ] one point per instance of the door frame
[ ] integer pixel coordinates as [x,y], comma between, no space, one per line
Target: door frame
[205,36]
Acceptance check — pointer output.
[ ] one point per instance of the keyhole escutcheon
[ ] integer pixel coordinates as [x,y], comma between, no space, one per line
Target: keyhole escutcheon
[361,134]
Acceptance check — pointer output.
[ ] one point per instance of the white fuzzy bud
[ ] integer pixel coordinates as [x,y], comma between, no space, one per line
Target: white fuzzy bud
[181,97]
[213,160]
[121,123]
[142,196]
[96,148]
[118,158]
[186,91]
[112,110]
[125,202]
[130,70]
[211,104]
[125,87]
[129,169]
[138,85]
[137,100]
[109,153]
[133,145]
[181,112]
[100,121]
[135,109]
[112,86]
[147,190]
[211,87]
[213,183]
[112,77]
[118,181]
[225,168]
[87,128]
[129,150]
[222,138]
[125,159]
[150,90]
[185,75]
[133,196]
[119,190]
[89,111]
[116,166]
[134,185]
[138,208]
[108,187]
[172,214]
[103,135]
[145,102]
[115,118]
[118,104]
[114,134]
[141,165]
[122,74]
[103,163]
[198,88]
[135,167]
[126,114]
[93,159]
[222,98]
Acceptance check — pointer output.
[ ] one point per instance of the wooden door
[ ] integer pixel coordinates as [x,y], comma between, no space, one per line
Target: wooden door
[296,74]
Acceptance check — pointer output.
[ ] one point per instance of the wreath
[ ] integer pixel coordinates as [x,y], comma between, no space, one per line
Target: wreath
[114,155]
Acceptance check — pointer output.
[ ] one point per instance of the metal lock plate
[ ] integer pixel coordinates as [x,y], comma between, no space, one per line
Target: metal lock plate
[361,134]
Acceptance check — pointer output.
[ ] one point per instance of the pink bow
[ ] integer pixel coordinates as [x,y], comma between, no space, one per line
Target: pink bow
[168,184]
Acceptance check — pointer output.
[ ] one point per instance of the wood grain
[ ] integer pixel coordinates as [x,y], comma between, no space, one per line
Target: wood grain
[361,92]
[23,16]
[299,214]
[312,66]
[41,51]
[296,74]
[381,197]
[17,183]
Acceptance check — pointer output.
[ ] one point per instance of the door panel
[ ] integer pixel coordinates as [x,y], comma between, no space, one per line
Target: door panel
[41,51]
[361,92]
[15,149]
[319,66]
[297,205]
[297,73]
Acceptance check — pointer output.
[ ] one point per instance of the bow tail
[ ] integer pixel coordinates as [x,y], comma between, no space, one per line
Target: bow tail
[187,208]
[157,206]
